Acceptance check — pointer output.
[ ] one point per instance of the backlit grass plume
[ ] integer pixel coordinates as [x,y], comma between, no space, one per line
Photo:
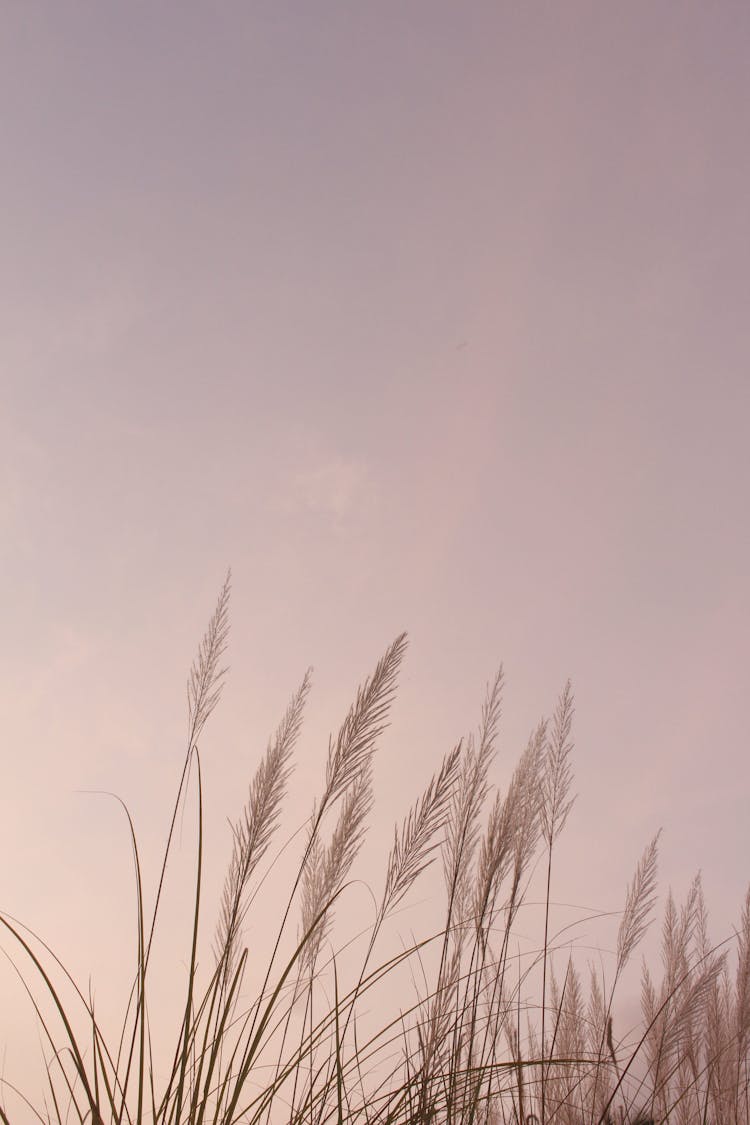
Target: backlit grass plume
[357,1017]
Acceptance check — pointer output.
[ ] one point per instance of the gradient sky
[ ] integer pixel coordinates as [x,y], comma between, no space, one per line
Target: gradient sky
[421,316]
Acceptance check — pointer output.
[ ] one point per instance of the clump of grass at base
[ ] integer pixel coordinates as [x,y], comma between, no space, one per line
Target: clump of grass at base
[470,1045]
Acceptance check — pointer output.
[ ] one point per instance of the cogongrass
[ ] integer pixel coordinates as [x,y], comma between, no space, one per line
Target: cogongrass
[470,1046]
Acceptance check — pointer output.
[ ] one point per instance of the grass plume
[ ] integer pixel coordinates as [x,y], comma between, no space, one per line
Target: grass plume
[468,1022]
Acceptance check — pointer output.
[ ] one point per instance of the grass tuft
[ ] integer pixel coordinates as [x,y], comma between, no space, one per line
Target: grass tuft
[470,1023]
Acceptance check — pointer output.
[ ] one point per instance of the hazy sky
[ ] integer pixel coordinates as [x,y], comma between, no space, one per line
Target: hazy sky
[421,316]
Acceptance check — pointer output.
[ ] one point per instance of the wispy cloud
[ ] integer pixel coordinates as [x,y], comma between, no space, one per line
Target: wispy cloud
[330,488]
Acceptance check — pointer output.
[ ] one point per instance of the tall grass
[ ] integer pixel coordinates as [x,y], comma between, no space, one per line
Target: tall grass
[463,1041]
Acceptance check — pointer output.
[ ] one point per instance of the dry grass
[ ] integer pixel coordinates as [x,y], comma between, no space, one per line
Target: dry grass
[469,1046]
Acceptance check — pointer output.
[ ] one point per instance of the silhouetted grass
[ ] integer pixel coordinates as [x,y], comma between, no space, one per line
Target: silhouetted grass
[468,1046]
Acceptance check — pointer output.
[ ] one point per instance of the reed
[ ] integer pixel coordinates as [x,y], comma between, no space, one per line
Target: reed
[469,1045]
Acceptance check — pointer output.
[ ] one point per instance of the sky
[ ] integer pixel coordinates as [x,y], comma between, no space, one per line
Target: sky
[425,316]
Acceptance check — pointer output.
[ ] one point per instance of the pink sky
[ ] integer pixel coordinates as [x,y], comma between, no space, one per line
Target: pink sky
[420,316]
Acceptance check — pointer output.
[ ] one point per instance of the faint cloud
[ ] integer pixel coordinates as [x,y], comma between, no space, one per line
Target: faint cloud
[333,488]
[22,461]
[99,321]
[10,500]
[77,324]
